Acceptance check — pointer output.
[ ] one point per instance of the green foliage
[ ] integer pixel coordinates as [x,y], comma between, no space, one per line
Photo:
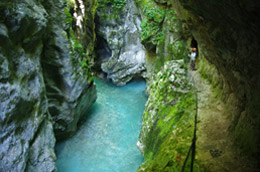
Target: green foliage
[117,6]
[155,14]
[151,32]
[177,50]
[210,73]
[155,21]
[80,57]
[69,19]
[70,3]
[78,52]
[151,25]
[158,23]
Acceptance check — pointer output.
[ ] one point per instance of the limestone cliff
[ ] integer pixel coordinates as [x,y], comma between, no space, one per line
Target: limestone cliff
[39,90]
[161,35]
[168,120]
[226,33]
[119,48]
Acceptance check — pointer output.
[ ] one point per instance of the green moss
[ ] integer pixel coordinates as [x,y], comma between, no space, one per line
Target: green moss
[117,7]
[168,121]
[151,25]
[159,32]
[155,19]
[210,73]
[177,50]
[70,4]
[69,19]
[78,55]
[168,147]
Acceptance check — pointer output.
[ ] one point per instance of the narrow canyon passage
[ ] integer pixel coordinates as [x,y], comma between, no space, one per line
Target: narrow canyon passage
[215,146]
[55,116]
[106,141]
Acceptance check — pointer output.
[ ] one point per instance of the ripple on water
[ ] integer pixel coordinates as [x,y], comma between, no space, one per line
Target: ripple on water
[106,142]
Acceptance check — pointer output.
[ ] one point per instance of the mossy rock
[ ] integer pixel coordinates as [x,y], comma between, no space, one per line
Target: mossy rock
[168,120]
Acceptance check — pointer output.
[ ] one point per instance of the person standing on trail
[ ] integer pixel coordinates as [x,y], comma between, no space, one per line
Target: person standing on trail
[193,53]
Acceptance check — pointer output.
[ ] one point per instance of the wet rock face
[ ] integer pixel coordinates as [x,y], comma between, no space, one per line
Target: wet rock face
[84,13]
[121,34]
[227,35]
[161,35]
[24,106]
[69,94]
[41,155]
[170,80]
[38,87]
[167,119]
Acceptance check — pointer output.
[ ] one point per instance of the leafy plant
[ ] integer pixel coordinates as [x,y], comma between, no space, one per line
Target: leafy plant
[79,56]
[117,6]
[68,20]
[78,52]
[153,17]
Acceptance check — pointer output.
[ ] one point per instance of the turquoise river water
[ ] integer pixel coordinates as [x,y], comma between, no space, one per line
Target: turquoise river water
[106,141]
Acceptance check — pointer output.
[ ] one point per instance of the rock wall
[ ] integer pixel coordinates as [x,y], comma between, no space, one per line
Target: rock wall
[161,35]
[168,120]
[122,55]
[168,123]
[227,35]
[70,91]
[40,92]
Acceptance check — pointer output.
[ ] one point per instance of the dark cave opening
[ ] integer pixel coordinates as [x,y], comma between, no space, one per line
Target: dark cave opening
[194,44]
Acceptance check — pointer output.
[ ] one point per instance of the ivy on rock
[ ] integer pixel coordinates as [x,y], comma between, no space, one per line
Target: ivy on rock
[116,6]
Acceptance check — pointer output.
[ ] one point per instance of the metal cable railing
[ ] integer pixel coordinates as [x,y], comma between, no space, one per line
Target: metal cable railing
[193,144]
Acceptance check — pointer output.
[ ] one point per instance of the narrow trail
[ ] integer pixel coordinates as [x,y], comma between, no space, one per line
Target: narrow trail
[214,146]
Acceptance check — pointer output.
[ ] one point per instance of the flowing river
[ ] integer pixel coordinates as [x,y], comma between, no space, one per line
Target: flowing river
[106,141]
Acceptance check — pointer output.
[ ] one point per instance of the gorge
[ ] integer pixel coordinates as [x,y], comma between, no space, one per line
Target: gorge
[51,51]
[109,134]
